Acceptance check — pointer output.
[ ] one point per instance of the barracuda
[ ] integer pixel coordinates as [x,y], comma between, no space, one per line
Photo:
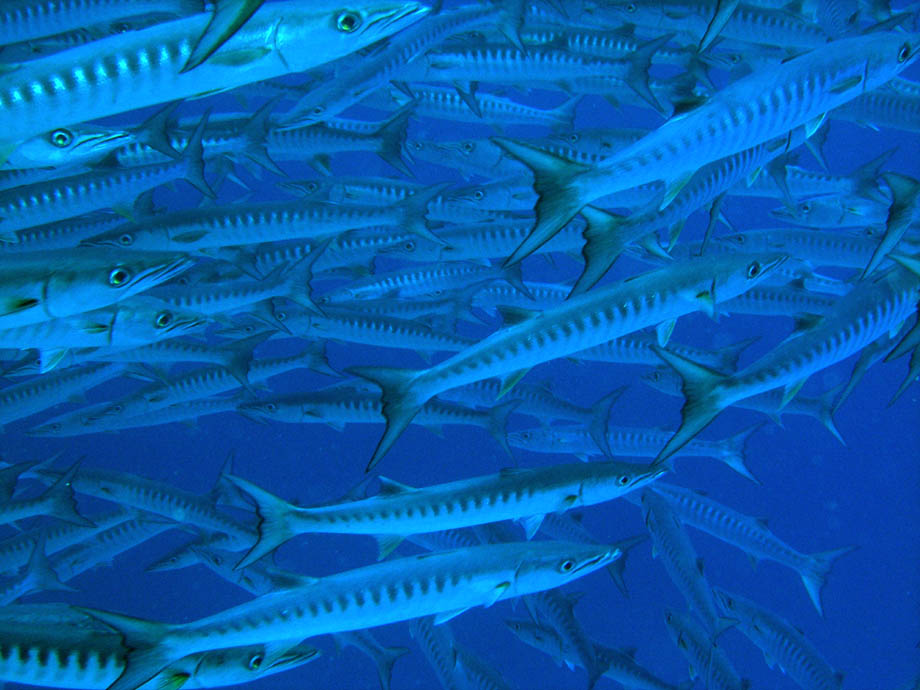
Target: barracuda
[30,397]
[142,68]
[25,20]
[51,645]
[199,229]
[443,584]
[706,659]
[68,197]
[53,285]
[156,497]
[628,442]
[749,535]
[764,105]
[619,665]
[672,546]
[867,312]
[399,510]
[583,322]
[130,323]
[781,643]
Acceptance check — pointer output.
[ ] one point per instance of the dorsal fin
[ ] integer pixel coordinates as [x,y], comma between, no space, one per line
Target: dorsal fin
[391,487]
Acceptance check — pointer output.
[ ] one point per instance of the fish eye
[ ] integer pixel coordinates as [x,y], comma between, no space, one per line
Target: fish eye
[753,270]
[61,138]
[668,617]
[271,407]
[255,661]
[118,277]
[348,22]
[479,195]
[630,7]
[281,315]
[417,145]
[805,208]
[217,560]
[525,435]
[126,240]
[567,566]
[904,52]
[740,239]
[468,146]
[409,246]
[318,110]
[623,480]
[163,319]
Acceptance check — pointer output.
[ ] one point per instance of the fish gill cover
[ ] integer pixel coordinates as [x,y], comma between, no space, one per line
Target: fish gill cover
[353,334]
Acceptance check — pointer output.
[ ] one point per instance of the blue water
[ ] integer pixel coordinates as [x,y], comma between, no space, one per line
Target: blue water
[816,493]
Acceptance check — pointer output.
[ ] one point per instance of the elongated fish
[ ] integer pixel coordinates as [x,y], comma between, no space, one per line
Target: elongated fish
[400,510]
[444,584]
[580,323]
[766,104]
[141,68]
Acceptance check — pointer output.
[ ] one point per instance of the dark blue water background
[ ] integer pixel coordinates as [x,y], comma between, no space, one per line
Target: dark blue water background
[816,493]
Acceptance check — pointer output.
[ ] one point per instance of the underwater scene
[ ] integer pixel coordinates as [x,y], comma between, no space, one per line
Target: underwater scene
[511,344]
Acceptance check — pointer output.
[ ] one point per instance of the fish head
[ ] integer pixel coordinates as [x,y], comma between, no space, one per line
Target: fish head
[131,237]
[67,146]
[336,30]
[108,277]
[732,605]
[225,666]
[538,636]
[892,52]
[663,379]
[142,320]
[735,274]
[677,623]
[546,565]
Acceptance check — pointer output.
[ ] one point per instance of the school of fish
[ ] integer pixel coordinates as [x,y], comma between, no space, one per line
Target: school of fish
[388,213]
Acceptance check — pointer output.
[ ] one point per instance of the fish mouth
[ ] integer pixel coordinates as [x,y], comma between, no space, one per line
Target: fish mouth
[385,19]
[600,559]
[163,272]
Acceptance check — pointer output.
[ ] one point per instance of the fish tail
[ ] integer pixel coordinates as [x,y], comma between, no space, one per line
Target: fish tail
[865,179]
[153,132]
[640,61]
[60,499]
[735,456]
[147,656]
[827,407]
[603,245]
[498,423]
[298,277]
[416,209]
[559,199]
[912,374]
[815,575]
[515,278]
[401,402]
[728,355]
[238,356]
[600,416]
[194,160]
[701,405]
[617,568]
[392,137]
[40,576]
[384,662]
[274,520]
[255,134]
